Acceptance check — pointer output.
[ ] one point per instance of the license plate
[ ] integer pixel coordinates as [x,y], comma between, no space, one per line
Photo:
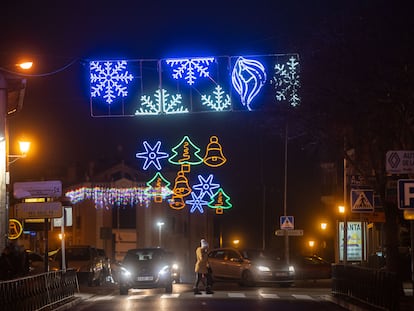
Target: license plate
[280,274]
[145,278]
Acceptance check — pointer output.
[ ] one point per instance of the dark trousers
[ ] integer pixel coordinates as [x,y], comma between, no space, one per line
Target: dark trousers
[204,278]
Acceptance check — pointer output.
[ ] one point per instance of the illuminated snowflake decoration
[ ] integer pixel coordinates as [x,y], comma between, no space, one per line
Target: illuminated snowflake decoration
[162,103]
[286,81]
[196,203]
[190,69]
[109,79]
[206,186]
[219,102]
[152,155]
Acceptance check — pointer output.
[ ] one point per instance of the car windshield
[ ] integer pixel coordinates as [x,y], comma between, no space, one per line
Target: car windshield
[254,254]
[144,255]
[75,254]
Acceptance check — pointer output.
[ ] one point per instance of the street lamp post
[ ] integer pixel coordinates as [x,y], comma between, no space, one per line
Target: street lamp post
[4,158]
[159,224]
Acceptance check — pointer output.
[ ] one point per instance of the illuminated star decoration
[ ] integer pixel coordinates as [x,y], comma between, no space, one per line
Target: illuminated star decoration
[196,203]
[206,186]
[152,155]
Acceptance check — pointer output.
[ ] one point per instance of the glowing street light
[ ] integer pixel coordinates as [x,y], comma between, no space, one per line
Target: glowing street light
[6,88]
[159,224]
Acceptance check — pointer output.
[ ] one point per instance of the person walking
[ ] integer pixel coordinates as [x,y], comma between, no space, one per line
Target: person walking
[201,269]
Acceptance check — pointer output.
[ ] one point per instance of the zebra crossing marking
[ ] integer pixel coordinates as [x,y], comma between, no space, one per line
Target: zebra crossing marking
[236,295]
[302,297]
[168,296]
[269,296]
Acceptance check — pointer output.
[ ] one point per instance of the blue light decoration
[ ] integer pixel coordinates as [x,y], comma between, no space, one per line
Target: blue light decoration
[109,79]
[286,81]
[206,186]
[152,155]
[193,84]
[248,77]
[190,69]
[158,188]
[196,203]
[218,101]
[220,201]
[163,103]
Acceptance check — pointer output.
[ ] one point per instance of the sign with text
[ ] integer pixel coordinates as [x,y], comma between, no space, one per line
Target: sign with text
[37,189]
[405,194]
[354,241]
[400,162]
[38,210]
[297,232]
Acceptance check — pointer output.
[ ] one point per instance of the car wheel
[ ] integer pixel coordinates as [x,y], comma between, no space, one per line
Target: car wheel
[168,288]
[247,278]
[123,290]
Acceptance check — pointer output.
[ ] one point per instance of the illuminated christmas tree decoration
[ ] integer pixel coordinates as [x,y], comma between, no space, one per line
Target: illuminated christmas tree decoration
[196,203]
[220,201]
[181,187]
[248,77]
[214,153]
[162,103]
[176,202]
[152,155]
[190,69]
[206,186]
[158,188]
[185,152]
[219,102]
[106,197]
[109,79]
[286,81]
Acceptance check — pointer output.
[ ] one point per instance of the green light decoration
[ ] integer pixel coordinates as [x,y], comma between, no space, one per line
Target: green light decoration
[220,201]
[185,153]
[158,188]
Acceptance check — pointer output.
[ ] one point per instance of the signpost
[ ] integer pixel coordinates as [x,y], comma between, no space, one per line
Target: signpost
[38,210]
[297,232]
[37,189]
[400,162]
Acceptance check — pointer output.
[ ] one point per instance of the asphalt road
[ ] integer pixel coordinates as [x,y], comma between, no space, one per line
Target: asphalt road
[305,295]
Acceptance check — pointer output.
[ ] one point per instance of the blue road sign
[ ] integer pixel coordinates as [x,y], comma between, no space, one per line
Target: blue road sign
[405,193]
[287,222]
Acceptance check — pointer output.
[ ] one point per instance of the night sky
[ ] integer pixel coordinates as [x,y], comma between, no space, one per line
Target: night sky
[56,114]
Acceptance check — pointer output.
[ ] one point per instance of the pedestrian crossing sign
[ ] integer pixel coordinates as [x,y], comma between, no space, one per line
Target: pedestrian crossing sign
[362,201]
[287,222]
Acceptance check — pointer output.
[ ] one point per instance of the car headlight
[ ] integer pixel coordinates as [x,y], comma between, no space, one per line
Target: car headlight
[164,270]
[263,268]
[125,273]
[291,269]
[175,266]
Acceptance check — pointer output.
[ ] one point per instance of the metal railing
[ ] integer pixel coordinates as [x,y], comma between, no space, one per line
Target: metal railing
[38,292]
[373,287]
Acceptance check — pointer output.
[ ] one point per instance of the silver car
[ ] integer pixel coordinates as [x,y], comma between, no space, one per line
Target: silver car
[249,267]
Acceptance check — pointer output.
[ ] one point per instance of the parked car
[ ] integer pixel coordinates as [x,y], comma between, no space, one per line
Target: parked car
[249,267]
[146,268]
[85,260]
[311,267]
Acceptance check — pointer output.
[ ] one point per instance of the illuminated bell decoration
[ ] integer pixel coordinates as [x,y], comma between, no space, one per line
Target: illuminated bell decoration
[177,202]
[214,153]
[181,187]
